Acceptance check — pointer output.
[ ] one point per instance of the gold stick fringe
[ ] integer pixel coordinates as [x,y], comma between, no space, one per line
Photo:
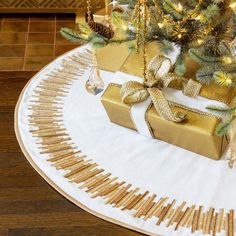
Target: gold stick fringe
[85,171]
[124,201]
[57,149]
[176,214]
[46,110]
[165,211]
[130,199]
[203,223]
[187,216]
[116,198]
[53,141]
[107,189]
[80,169]
[113,193]
[61,156]
[221,217]
[231,223]
[181,219]
[101,186]
[88,175]
[139,205]
[146,206]
[93,181]
[190,221]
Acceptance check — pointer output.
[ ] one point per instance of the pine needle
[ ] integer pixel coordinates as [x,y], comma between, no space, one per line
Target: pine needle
[221,111]
[224,126]
[197,55]
[72,35]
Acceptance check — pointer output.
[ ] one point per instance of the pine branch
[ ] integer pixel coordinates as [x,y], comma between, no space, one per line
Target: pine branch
[118,21]
[205,75]
[165,46]
[180,65]
[197,55]
[72,35]
[221,111]
[223,127]
[210,13]
[224,48]
[172,9]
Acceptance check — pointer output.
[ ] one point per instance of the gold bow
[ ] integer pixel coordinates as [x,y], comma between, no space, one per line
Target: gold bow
[134,92]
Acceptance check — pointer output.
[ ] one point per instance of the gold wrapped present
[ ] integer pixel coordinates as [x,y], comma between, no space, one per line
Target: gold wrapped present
[117,57]
[112,57]
[195,133]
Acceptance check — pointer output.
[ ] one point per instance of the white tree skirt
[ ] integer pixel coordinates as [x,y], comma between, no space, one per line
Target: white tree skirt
[151,165]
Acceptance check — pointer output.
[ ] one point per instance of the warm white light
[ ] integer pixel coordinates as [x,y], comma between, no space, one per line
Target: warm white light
[160,25]
[228,81]
[180,7]
[198,17]
[179,36]
[233,5]
[124,27]
[227,60]
[199,41]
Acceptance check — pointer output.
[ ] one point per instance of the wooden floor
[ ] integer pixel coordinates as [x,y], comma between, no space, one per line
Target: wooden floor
[30,41]
[28,205]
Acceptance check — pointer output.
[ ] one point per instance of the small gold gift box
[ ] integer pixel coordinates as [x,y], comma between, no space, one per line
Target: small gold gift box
[196,133]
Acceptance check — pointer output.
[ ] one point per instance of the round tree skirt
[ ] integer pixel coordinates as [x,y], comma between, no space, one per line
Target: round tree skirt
[112,172]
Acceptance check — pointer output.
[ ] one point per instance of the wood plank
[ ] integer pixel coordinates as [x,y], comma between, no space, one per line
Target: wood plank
[28,205]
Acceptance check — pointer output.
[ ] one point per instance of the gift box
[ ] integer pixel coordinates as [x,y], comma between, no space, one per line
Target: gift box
[117,57]
[112,57]
[195,133]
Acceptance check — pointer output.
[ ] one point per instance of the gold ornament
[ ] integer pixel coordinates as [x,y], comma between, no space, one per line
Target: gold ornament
[94,84]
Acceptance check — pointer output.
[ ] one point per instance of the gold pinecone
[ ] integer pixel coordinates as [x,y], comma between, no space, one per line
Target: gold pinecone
[101,29]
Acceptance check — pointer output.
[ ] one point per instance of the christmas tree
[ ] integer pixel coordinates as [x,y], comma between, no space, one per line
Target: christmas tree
[203,29]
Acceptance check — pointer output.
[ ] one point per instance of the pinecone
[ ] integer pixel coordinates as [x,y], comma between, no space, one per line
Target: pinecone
[101,29]
[117,9]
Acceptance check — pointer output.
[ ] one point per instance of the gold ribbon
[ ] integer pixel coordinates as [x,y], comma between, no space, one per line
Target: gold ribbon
[134,92]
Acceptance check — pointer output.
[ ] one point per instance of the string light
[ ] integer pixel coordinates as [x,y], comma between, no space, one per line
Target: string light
[124,27]
[233,5]
[179,36]
[179,7]
[227,60]
[199,41]
[198,17]
[228,81]
[160,25]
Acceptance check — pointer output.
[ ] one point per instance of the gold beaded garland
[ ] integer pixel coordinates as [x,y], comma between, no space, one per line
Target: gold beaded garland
[138,7]
[144,40]
[89,10]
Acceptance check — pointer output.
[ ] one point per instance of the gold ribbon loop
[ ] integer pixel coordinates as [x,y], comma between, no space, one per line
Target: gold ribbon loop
[162,106]
[158,78]
[133,92]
